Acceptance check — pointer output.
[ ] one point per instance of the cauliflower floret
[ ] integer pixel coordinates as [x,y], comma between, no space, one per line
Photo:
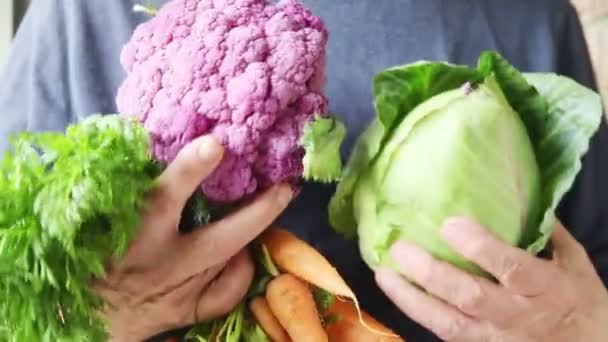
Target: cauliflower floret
[248,72]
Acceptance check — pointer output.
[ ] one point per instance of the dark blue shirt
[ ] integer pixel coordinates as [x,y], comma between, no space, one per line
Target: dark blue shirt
[65,65]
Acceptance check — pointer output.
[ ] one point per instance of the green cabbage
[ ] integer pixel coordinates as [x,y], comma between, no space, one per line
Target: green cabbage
[488,143]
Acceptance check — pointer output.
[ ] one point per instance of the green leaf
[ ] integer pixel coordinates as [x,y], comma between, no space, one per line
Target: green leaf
[254,333]
[341,210]
[228,329]
[561,116]
[321,140]
[397,91]
[323,299]
[68,203]
[521,95]
[573,116]
[233,329]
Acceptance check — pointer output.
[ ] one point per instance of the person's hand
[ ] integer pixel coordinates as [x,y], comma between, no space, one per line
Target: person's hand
[558,300]
[169,280]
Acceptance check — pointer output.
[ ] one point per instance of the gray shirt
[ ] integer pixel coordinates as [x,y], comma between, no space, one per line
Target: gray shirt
[65,65]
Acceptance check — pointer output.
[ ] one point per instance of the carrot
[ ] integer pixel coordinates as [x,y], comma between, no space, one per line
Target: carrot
[292,302]
[269,323]
[294,256]
[348,327]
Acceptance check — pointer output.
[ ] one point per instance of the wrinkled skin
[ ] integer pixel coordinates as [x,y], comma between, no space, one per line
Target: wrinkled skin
[536,300]
[250,73]
[167,280]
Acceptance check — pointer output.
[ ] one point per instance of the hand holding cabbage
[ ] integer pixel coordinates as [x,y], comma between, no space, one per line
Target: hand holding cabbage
[488,143]
[562,299]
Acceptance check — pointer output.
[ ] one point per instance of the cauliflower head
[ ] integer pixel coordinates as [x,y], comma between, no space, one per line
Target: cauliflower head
[247,71]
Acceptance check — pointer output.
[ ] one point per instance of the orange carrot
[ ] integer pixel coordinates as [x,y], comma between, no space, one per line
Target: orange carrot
[292,302]
[269,323]
[294,256]
[348,327]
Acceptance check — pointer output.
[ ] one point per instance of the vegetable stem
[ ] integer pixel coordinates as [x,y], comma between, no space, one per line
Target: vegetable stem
[149,9]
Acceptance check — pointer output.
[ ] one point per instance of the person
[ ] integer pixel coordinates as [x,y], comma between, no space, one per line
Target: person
[65,64]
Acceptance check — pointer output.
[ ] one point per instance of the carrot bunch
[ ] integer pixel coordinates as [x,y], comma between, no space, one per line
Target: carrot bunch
[297,296]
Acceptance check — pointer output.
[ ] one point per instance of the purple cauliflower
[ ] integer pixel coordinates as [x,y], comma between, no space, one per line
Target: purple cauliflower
[248,72]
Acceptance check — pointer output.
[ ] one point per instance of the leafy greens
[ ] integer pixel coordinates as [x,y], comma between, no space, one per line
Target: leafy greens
[68,203]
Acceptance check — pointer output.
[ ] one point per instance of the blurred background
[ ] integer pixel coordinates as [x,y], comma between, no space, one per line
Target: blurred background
[11,12]
[593,13]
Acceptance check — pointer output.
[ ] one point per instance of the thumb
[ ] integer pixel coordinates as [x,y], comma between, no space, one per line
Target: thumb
[195,162]
[567,250]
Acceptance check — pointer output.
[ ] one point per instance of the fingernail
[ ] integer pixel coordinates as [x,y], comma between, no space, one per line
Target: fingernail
[209,148]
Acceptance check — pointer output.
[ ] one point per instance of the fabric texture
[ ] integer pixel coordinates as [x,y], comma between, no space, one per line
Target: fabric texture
[64,65]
